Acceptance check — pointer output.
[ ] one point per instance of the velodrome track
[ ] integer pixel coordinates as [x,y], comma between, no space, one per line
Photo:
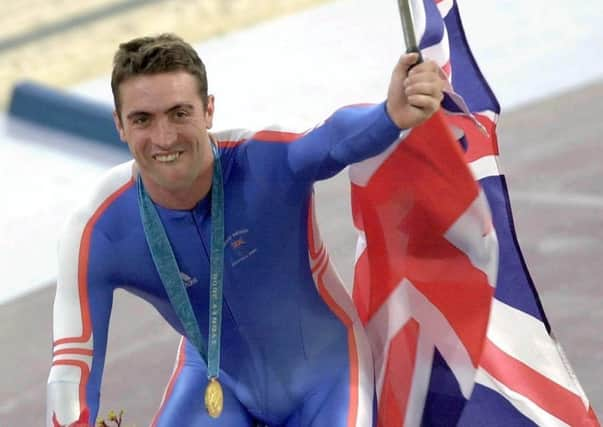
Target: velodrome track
[551,152]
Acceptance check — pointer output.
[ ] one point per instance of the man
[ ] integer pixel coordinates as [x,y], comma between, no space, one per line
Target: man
[287,357]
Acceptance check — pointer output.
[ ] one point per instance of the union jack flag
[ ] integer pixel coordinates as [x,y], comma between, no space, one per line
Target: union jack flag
[456,328]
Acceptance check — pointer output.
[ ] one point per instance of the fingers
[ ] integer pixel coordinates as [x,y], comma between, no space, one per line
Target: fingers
[423,87]
[431,89]
[425,103]
[423,72]
[414,94]
[408,60]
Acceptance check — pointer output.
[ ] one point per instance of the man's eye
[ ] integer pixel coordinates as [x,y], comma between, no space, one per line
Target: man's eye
[140,120]
[181,114]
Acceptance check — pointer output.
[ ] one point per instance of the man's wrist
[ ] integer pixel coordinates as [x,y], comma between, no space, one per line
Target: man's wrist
[403,131]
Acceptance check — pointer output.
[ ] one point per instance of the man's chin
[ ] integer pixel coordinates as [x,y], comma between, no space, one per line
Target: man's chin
[174,182]
[176,185]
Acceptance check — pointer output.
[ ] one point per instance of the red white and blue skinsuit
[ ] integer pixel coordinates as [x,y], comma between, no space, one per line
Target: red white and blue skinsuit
[293,352]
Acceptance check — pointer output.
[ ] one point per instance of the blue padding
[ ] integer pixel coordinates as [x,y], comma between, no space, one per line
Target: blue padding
[63,111]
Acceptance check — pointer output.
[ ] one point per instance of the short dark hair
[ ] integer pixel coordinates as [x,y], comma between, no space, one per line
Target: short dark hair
[153,55]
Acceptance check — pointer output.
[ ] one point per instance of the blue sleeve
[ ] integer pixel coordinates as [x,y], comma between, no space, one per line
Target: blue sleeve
[81,313]
[102,265]
[350,135]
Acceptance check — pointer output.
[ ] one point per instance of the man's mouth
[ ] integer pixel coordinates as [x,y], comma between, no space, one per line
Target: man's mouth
[167,158]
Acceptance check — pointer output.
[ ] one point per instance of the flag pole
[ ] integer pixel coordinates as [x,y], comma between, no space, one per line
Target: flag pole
[408,28]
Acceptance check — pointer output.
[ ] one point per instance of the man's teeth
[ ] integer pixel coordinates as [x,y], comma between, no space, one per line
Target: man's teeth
[167,157]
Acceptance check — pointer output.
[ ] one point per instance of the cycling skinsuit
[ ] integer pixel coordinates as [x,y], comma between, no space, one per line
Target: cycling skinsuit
[292,353]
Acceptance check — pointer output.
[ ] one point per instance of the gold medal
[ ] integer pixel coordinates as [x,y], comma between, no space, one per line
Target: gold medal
[214,398]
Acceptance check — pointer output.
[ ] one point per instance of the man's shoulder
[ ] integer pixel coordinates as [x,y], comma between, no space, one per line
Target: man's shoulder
[102,194]
[110,185]
[272,133]
[232,137]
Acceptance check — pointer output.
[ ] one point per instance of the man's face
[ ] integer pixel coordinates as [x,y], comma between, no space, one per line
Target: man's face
[165,125]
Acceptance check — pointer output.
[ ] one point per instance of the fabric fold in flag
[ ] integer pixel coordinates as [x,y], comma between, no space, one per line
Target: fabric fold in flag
[456,327]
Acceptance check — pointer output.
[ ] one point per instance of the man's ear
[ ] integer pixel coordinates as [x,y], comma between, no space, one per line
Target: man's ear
[119,126]
[209,111]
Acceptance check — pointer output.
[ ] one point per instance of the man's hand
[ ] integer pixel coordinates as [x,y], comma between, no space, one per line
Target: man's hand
[414,96]
[82,421]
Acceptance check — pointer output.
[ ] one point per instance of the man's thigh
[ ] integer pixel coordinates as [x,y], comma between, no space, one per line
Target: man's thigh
[183,404]
[336,404]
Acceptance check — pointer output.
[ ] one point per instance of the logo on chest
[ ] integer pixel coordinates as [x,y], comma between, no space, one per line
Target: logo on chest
[239,247]
[188,280]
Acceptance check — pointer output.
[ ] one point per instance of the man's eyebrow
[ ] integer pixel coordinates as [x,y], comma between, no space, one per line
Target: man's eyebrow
[180,106]
[137,113]
[169,110]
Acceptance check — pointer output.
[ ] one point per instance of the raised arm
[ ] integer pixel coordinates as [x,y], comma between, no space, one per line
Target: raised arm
[355,133]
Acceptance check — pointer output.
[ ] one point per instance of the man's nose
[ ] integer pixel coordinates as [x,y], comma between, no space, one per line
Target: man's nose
[165,134]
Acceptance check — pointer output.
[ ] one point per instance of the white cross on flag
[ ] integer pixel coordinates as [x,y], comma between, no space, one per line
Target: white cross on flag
[456,328]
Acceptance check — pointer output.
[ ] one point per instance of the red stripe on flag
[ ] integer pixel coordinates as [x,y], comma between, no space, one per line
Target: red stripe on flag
[415,196]
[397,382]
[479,144]
[550,396]
[592,419]
[458,290]
[447,68]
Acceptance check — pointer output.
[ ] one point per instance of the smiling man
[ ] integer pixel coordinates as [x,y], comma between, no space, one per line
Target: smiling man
[164,118]
[259,338]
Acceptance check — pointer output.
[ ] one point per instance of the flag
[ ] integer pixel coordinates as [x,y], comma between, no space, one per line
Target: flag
[456,328]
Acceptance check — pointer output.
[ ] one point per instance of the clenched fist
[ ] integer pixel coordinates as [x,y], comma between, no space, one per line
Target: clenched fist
[414,96]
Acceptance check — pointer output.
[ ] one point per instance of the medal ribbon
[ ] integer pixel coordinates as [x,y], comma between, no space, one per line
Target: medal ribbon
[167,267]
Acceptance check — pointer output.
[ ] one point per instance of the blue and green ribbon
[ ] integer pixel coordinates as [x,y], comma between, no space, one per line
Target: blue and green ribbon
[167,267]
